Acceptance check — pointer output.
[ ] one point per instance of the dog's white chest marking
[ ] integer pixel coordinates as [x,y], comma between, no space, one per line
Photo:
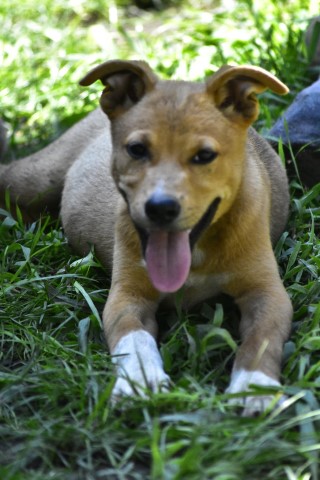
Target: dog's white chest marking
[253,404]
[139,366]
[198,257]
[212,283]
[200,287]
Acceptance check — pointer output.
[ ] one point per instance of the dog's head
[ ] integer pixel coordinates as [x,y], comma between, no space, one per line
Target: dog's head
[178,153]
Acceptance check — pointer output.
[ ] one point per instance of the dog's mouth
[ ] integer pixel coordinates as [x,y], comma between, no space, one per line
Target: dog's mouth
[168,254]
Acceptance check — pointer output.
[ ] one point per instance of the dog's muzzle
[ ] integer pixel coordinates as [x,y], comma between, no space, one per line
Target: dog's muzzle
[167,252]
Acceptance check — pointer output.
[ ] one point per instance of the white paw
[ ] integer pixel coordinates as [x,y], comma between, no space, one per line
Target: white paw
[139,366]
[241,380]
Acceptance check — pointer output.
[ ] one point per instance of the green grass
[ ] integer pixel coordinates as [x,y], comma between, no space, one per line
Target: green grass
[56,374]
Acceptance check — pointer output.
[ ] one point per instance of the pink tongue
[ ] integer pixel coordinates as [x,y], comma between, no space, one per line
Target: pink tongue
[168,258]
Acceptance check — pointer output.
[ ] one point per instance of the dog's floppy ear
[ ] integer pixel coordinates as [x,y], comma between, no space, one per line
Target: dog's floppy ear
[126,82]
[234,90]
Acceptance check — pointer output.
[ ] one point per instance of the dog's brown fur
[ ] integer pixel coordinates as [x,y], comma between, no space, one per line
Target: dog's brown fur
[233,254]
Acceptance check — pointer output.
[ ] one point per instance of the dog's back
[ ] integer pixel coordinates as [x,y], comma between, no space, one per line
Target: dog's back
[268,159]
[36,182]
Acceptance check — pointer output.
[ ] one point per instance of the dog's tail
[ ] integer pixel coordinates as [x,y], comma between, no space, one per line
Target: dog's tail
[3,139]
[35,182]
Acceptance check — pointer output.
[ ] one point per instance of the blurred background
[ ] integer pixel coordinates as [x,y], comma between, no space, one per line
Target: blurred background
[46,47]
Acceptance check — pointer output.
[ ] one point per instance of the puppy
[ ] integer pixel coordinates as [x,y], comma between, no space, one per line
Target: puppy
[174,189]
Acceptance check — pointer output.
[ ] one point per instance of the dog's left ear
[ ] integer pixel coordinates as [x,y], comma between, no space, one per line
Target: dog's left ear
[234,91]
[126,82]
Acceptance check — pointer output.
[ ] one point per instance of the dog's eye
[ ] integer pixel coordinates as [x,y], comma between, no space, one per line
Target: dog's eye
[205,155]
[137,150]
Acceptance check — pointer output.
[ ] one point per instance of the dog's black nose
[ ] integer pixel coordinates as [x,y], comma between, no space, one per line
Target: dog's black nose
[162,209]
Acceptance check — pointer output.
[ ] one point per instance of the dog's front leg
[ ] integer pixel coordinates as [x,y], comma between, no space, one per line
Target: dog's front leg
[266,313]
[129,322]
[130,328]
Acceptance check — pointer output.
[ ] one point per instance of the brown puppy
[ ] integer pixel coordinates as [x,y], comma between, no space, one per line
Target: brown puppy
[196,201]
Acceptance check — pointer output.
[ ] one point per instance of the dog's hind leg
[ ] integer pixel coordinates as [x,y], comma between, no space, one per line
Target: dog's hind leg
[36,182]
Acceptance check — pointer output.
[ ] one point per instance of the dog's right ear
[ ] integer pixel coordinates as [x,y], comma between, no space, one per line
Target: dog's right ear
[126,82]
[234,89]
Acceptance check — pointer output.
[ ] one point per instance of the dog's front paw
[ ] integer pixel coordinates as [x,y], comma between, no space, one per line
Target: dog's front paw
[252,405]
[139,367]
[139,383]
